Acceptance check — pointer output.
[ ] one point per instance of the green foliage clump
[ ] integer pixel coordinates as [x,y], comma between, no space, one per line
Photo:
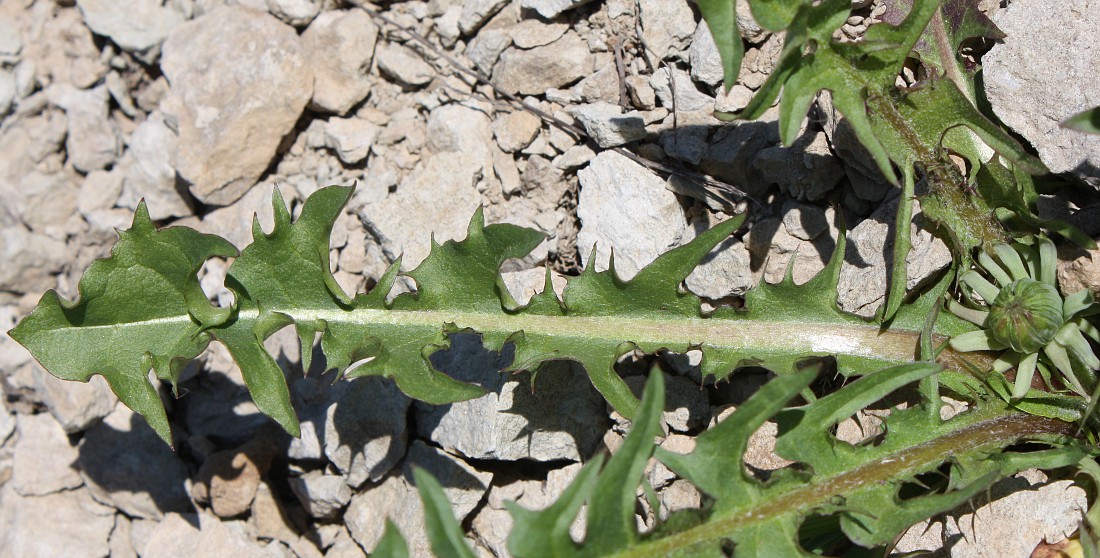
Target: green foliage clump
[142,310]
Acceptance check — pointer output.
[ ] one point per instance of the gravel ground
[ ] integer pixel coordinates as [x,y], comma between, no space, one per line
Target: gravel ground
[203,107]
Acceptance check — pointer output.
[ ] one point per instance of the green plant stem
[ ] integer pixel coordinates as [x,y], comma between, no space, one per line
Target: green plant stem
[865,343]
[990,430]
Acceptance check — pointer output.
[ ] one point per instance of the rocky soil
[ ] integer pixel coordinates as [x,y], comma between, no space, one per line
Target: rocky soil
[202,107]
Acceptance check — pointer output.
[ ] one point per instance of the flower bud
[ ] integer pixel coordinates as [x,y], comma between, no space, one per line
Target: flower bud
[1026,315]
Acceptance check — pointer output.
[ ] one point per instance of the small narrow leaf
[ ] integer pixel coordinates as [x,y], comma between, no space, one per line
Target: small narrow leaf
[1087,121]
[392,544]
[444,532]
[611,524]
[721,18]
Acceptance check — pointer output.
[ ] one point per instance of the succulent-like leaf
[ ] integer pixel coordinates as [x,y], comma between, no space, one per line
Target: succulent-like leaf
[283,278]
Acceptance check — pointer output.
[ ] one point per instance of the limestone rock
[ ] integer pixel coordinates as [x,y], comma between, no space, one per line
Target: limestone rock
[806,170]
[323,496]
[531,33]
[200,534]
[726,271]
[666,27]
[230,478]
[295,12]
[706,64]
[560,417]
[436,199]
[626,208]
[340,47]
[75,405]
[686,405]
[126,465]
[1078,269]
[67,523]
[1033,89]
[533,71]
[137,26]
[402,64]
[606,123]
[864,277]
[92,143]
[396,498]
[515,130]
[61,49]
[1023,513]
[149,169]
[43,458]
[485,49]
[30,260]
[550,9]
[350,138]
[46,203]
[11,43]
[365,430]
[238,78]
[7,91]
[734,149]
[734,100]
[687,97]
[477,12]
[458,128]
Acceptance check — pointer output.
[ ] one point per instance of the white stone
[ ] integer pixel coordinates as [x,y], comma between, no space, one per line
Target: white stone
[30,260]
[687,97]
[477,12]
[436,199]
[365,430]
[149,170]
[43,458]
[92,142]
[626,208]
[531,33]
[76,406]
[7,91]
[550,9]
[126,465]
[533,71]
[1033,89]
[807,169]
[608,125]
[138,26]
[485,49]
[238,78]
[864,277]
[295,12]
[350,138]
[67,523]
[340,47]
[560,417]
[402,64]
[515,130]
[397,499]
[666,27]
[322,495]
[706,64]
[199,535]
